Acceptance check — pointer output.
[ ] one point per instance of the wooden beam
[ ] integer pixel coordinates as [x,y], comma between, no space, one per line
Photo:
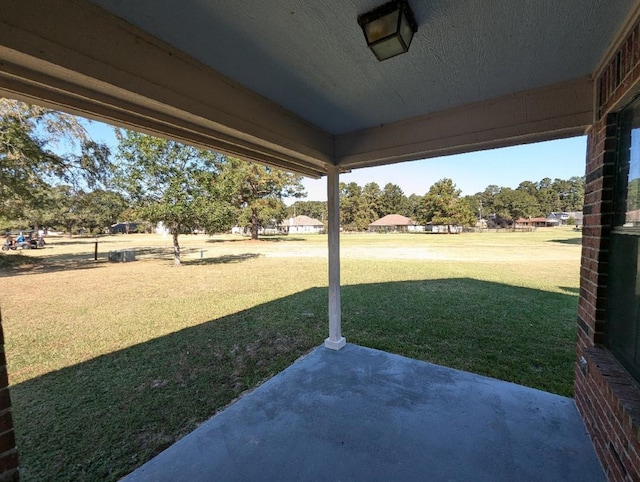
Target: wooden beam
[558,111]
[76,57]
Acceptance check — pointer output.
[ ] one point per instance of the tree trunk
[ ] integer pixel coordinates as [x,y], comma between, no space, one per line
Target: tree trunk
[254,224]
[176,247]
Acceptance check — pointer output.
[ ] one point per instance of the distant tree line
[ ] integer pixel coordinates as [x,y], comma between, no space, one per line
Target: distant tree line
[443,203]
[52,174]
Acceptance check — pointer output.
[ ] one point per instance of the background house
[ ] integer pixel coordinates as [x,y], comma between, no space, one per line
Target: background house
[566,218]
[531,222]
[302,224]
[395,223]
[123,228]
[443,228]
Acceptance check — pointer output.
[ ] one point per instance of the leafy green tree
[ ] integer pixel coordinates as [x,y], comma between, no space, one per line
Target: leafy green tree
[528,187]
[63,207]
[354,215]
[371,202]
[548,197]
[570,192]
[313,209]
[31,141]
[442,205]
[511,204]
[413,207]
[633,195]
[486,204]
[101,208]
[393,200]
[172,183]
[257,192]
[474,205]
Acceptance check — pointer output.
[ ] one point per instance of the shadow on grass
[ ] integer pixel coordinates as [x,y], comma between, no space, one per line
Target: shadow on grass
[158,252]
[235,240]
[102,418]
[275,239]
[65,240]
[570,290]
[24,264]
[226,259]
[247,239]
[17,264]
[566,241]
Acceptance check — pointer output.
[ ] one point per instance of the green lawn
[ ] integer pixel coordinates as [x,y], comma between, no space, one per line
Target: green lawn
[111,363]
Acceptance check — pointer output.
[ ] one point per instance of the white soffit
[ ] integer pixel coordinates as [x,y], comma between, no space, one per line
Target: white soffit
[291,83]
[310,57]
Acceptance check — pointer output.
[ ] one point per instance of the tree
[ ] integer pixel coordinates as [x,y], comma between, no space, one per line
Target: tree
[512,204]
[474,204]
[413,207]
[257,191]
[371,202]
[442,205]
[393,200]
[31,141]
[313,209]
[570,192]
[548,198]
[528,187]
[64,207]
[633,195]
[101,208]
[172,183]
[486,204]
[353,214]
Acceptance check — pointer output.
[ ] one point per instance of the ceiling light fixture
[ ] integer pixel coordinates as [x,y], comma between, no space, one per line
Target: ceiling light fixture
[389,29]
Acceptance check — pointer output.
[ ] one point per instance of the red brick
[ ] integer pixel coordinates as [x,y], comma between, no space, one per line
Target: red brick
[8,461]
[7,441]
[6,422]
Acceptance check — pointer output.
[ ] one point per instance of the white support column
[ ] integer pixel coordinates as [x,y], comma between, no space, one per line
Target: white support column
[335,341]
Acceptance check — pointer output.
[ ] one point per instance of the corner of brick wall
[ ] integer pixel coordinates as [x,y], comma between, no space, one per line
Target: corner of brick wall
[607,397]
[9,462]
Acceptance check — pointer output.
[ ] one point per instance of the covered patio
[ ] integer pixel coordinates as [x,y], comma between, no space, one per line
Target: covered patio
[365,415]
[293,85]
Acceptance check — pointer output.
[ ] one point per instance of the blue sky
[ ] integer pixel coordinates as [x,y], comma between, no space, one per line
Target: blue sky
[471,173]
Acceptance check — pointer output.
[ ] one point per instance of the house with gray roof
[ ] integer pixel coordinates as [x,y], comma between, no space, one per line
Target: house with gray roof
[302,225]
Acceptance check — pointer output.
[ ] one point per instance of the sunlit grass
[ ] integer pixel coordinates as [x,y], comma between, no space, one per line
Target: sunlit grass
[110,363]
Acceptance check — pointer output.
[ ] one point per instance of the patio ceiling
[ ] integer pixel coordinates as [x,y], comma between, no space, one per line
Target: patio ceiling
[292,84]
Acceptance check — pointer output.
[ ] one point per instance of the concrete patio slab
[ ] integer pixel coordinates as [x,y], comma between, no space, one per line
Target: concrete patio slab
[364,415]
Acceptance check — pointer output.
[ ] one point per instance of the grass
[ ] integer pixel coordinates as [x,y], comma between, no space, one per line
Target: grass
[111,363]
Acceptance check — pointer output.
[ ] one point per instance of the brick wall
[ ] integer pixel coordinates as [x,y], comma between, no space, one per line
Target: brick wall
[8,452]
[607,397]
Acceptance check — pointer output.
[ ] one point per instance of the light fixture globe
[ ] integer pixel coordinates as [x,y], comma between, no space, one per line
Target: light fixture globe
[389,29]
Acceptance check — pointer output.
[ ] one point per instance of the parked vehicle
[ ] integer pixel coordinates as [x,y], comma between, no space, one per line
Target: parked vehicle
[27,241]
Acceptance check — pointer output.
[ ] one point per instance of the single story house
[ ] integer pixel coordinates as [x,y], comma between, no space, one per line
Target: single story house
[395,223]
[124,228]
[302,224]
[564,218]
[536,222]
[443,228]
